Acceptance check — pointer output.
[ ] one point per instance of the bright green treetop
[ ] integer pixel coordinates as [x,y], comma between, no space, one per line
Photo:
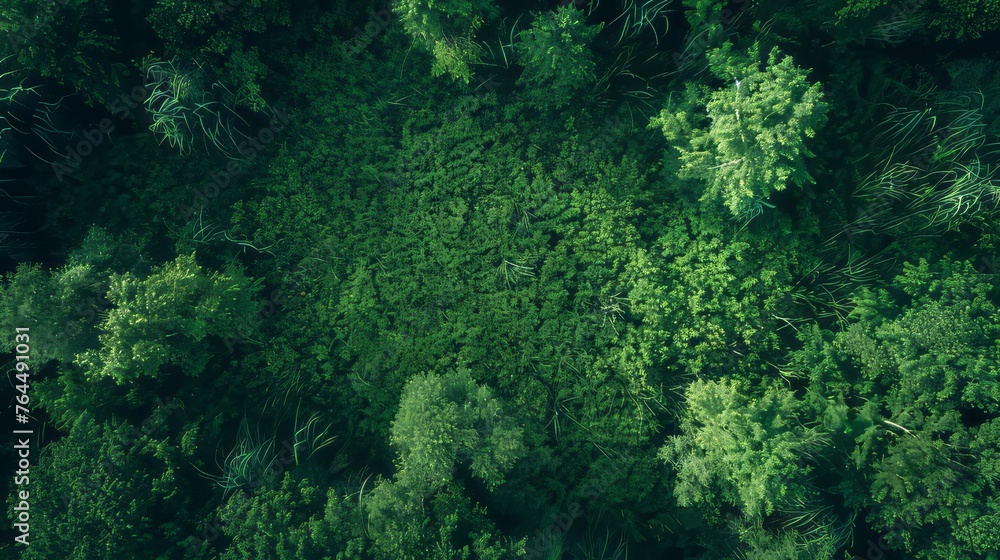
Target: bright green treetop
[744,451]
[443,421]
[166,317]
[753,140]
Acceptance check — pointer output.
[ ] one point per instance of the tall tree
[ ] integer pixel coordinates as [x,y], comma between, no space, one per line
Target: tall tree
[928,369]
[167,317]
[443,421]
[445,28]
[557,62]
[748,138]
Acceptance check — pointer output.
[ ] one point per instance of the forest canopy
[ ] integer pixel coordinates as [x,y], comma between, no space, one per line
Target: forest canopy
[477,279]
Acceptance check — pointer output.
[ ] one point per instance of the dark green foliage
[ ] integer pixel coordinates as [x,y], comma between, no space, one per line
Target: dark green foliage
[99,495]
[926,363]
[295,520]
[70,41]
[631,284]
[557,63]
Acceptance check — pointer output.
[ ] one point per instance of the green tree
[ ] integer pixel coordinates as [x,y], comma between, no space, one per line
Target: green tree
[443,421]
[557,62]
[927,366]
[296,519]
[445,29]
[63,307]
[756,453]
[744,451]
[167,317]
[747,139]
[98,496]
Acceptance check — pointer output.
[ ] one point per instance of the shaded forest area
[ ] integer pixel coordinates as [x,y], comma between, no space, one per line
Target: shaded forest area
[472,279]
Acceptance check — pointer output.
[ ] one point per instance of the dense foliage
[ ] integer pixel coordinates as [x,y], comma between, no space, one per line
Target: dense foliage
[462,279]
